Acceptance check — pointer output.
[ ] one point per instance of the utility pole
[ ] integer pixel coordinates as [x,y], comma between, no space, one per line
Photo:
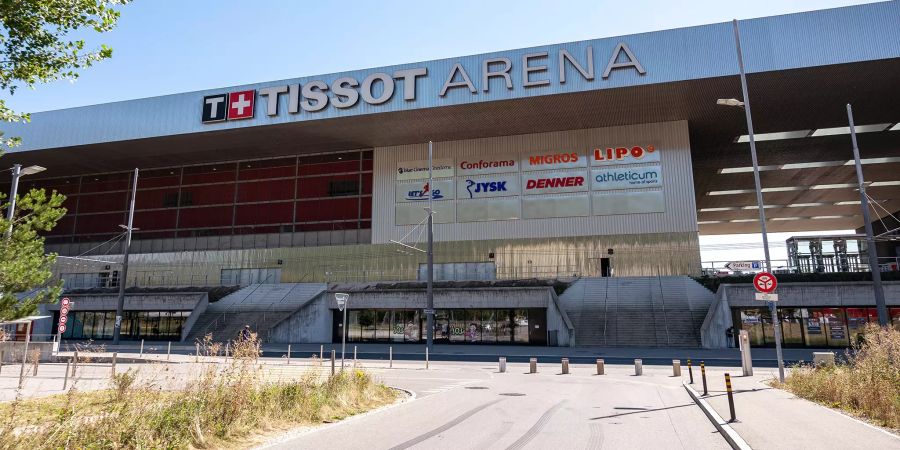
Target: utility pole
[776,322]
[870,241]
[429,309]
[11,209]
[120,304]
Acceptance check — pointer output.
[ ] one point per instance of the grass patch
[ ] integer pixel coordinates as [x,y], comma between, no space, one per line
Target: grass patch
[867,385]
[220,407]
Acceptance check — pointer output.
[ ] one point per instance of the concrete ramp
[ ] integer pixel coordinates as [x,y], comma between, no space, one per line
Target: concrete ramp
[257,305]
[637,311]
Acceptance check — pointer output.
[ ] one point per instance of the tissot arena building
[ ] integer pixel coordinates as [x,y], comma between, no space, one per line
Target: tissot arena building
[570,185]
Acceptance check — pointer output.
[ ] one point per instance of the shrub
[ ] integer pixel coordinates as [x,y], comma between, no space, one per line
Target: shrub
[868,384]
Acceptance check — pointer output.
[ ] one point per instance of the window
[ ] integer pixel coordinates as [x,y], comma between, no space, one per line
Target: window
[170,199]
[342,188]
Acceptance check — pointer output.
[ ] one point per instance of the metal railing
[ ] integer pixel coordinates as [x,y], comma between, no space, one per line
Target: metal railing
[826,265]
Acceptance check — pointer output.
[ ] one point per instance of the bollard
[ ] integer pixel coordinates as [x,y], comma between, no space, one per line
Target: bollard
[354,355]
[227,348]
[638,367]
[66,376]
[690,372]
[600,368]
[197,353]
[321,352]
[426,358]
[1,360]
[332,362]
[703,375]
[730,397]
[36,364]
[676,367]
[502,364]
[142,349]
[532,365]
[75,364]
[113,371]
[169,351]
[565,366]
[391,357]
[289,354]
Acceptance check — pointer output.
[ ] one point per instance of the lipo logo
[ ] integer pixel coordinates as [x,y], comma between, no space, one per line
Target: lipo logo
[231,106]
[622,154]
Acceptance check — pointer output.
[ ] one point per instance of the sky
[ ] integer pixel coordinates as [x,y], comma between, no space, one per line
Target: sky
[169,46]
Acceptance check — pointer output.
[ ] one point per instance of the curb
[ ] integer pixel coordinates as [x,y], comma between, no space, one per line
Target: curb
[734,440]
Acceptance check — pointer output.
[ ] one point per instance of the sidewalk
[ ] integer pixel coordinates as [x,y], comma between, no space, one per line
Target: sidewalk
[773,418]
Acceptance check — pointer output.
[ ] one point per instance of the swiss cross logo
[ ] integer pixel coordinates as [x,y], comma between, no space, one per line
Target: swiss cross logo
[240,104]
[232,106]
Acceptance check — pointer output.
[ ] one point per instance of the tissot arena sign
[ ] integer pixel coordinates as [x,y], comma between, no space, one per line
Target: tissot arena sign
[516,74]
[535,185]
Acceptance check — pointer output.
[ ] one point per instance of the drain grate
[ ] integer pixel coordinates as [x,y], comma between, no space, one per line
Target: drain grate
[513,394]
[476,387]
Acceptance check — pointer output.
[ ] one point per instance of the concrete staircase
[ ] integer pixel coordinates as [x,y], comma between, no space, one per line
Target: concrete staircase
[259,305]
[637,311]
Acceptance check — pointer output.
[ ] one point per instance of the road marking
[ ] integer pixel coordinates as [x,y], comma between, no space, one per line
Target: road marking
[536,428]
[456,421]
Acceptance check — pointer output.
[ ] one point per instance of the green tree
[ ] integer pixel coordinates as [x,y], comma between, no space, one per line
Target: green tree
[38,44]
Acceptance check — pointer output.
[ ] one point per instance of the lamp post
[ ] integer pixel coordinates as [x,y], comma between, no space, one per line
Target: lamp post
[429,287]
[17,172]
[343,302]
[745,104]
[120,303]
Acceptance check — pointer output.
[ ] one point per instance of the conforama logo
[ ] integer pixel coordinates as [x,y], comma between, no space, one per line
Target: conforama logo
[231,106]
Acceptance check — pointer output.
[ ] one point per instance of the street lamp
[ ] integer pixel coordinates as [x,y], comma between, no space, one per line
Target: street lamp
[745,105]
[342,302]
[17,172]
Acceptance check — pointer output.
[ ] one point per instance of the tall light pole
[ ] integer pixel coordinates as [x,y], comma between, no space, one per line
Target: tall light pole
[17,172]
[870,241]
[429,290]
[343,302]
[776,322]
[120,304]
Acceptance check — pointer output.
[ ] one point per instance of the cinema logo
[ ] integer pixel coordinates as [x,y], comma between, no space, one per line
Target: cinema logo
[231,106]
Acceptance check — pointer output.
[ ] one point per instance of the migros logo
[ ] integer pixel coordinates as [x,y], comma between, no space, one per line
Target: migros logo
[620,153]
[553,158]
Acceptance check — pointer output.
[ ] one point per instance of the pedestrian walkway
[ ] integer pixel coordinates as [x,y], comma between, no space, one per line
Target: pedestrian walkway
[768,417]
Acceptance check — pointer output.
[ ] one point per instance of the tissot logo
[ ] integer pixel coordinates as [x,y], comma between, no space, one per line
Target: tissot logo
[231,106]
[480,187]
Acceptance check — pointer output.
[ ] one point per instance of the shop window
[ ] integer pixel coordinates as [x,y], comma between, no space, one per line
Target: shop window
[458,325]
[504,328]
[383,325]
[791,326]
[343,188]
[488,326]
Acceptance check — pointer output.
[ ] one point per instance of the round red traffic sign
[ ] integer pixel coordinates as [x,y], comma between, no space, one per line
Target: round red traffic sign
[64,310]
[65,301]
[765,282]
[62,329]
[63,319]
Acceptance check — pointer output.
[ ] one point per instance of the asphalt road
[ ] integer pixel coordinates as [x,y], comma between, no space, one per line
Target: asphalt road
[472,405]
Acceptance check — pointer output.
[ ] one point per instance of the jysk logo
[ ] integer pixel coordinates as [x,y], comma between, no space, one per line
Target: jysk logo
[422,194]
[231,106]
[479,187]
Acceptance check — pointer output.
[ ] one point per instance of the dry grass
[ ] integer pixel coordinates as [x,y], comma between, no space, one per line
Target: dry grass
[221,407]
[867,385]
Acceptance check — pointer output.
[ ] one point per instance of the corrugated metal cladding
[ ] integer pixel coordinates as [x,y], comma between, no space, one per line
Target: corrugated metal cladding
[671,138]
[634,255]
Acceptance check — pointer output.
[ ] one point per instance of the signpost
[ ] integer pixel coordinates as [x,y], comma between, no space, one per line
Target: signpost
[743,265]
[765,282]
[66,305]
[342,302]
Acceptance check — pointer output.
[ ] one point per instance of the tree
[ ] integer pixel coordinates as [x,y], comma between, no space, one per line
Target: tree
[24,268]
[36,44]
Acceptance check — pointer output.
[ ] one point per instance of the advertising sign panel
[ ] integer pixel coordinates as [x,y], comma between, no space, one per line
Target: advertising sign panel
[624,177]
[547,206]
[418,170]
[493,164]
[629,154]
[420,191]
[554,159]
[555,182]
[414,213]
[489,209]
[488,186]
[628,203]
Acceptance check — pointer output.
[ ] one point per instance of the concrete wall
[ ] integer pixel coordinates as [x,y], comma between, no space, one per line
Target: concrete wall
[309,324]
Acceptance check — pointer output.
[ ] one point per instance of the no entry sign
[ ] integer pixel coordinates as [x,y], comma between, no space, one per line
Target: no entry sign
[64,314]
[765,282]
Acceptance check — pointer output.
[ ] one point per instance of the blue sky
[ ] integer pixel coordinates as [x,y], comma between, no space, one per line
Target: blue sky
[169,46]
